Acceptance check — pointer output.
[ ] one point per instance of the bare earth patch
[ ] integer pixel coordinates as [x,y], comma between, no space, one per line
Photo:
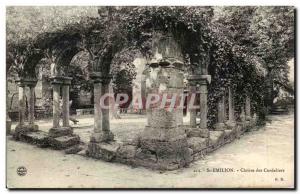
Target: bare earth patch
[270,147]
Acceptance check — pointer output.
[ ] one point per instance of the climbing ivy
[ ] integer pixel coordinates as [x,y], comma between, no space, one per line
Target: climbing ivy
[239,47]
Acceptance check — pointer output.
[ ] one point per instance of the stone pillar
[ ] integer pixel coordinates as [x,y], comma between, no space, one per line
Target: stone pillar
[231,110]
[105,111]
[203,81]
[57,130]
[66,82]
[65,108]
[56,104]
[164,138]
[22,104]
[193,111]
[102,131]
[31,84]
[22,128]
[242,115]
[203,102]
[221,114]
[113,112]
[148,114]
[248,108]
[31,105]
[97,107]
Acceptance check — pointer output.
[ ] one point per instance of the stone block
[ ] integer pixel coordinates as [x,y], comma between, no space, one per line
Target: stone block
[146,155]
[134,141]
[105,151]
[74,149]
[197,143]
[227,132]
[63,142]
[82,152]
[39,138]
[197,132]
[23,130]
[216,137]
[240,129]
[162,134]
[126,151]
[164,154]
[230,124]
[163,118]
[102,137]
[60,131]
[230,135]
[200,154]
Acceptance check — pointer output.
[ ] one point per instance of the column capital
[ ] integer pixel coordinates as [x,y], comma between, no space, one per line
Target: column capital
[30,82]
[98,77]
[61,80]
[201,79]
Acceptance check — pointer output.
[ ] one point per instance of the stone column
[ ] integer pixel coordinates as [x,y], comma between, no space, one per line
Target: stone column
[22,128]
[56,83]
[105,111]
[203,102]
[165,139]
[31,83]
[113,112]
[97,107]
[193,111]
[57,130]
[31,105]
[22,104]
[231,109]
[248,108]
[148,114]
[101,132]
[66,82]
[242,115]
[56,103]
[221,116]
[65,108]
[203,81]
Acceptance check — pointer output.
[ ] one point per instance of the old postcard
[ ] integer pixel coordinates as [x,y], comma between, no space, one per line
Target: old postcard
[176,97]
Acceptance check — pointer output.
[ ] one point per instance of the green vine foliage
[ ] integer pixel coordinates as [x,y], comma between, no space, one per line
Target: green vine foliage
[240,47]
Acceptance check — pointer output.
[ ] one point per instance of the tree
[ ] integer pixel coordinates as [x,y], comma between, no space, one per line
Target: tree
[273,30]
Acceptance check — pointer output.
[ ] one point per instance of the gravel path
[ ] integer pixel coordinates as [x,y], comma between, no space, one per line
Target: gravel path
[270,147]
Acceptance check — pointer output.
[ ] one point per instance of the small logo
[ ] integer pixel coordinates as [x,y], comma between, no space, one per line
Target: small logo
[21,171]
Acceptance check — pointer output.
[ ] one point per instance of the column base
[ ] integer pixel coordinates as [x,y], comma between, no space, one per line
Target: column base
[60,131]
[104,136]
[163,148]
[104,150]
[64,142]
[230,124]
[62,138]
[23,129]
[197,132]
[220,126]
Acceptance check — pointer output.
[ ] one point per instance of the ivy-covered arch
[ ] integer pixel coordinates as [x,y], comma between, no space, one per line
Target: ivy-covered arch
[59,48]
[187,26]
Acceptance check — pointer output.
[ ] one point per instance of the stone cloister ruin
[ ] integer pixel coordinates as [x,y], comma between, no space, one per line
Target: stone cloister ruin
[166,143]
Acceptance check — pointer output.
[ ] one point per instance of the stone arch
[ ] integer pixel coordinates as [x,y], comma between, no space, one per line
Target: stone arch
[59,48]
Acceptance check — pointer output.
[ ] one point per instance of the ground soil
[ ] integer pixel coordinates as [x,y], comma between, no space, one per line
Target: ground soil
[270,147]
